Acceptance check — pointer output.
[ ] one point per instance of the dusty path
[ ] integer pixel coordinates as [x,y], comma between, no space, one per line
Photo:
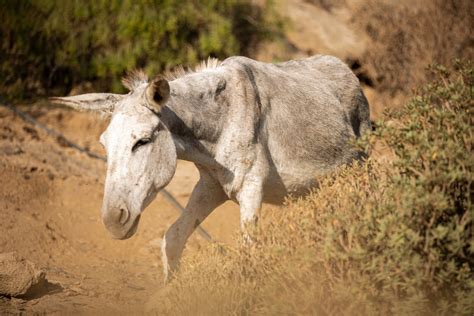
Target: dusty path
[50,199]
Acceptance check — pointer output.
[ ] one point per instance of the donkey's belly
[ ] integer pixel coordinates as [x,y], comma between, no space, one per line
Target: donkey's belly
[285,183]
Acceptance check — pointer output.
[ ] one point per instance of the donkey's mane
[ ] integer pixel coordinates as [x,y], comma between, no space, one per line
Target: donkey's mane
[137,77]
[134,79]
[180,71]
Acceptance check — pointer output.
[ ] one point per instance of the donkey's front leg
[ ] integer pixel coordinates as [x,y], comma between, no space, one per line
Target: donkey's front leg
[250,201]
[206,196]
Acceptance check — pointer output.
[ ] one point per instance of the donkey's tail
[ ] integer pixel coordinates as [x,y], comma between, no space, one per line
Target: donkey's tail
[360,114]
[364,114]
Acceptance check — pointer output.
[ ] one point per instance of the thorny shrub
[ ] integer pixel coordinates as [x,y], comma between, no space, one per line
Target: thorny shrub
[375,238]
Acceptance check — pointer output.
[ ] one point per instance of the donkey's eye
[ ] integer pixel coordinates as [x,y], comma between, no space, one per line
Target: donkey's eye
[140,143]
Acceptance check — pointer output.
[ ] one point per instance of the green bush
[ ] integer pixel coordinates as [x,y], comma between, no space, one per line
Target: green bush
[386,237]
[48,44]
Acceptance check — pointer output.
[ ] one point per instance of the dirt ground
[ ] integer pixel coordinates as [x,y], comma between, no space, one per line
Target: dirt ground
[50,200]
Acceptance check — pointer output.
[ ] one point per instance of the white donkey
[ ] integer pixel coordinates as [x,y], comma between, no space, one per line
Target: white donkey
[256,131]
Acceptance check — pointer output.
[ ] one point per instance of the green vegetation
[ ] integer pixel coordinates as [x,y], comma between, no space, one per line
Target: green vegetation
[58,44]
[392,236]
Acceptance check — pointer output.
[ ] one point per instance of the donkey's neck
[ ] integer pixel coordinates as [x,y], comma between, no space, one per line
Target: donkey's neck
[195,114]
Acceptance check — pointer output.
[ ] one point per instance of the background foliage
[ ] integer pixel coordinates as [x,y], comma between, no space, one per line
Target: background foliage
[380,238]
[49,44]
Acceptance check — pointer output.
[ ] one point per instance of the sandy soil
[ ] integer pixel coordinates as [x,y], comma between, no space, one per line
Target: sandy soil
[50,199]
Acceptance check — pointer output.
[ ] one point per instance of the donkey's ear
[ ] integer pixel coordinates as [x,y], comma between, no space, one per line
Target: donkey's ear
[102,102]
[157,92]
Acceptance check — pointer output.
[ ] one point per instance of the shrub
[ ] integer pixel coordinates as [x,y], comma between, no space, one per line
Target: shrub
[380,238]
[48,44]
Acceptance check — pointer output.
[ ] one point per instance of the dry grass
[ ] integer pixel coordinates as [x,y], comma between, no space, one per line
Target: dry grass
[375,239]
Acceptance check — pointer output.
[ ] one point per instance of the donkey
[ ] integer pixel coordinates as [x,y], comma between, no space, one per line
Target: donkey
[256,132]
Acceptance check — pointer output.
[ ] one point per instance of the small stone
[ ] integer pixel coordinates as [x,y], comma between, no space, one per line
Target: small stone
[19,277]
[11,150]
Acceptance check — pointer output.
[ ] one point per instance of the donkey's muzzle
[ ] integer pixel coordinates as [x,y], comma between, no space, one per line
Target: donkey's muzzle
[120,222]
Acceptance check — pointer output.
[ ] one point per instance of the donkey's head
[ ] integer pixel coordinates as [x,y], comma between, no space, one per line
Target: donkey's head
[141,155]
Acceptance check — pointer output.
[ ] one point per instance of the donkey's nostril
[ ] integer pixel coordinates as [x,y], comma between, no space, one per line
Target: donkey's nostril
[123,216]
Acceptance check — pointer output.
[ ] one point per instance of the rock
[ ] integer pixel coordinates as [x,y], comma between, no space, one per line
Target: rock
[11,150]
[19,277]
[315,30]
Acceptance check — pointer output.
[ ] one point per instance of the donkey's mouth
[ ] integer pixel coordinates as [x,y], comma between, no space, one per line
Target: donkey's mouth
[132,230]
